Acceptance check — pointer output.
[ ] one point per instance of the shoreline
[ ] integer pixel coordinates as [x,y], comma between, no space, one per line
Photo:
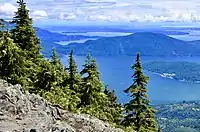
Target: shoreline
[163,75]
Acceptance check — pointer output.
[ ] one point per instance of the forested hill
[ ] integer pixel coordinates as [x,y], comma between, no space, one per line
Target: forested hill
[179,70]
[179,117]
[147,43]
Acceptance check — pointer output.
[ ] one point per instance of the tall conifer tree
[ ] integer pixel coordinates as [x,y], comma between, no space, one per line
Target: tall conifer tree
[92,85]
[139,113]
[24,34]
[51,73]
[74,79]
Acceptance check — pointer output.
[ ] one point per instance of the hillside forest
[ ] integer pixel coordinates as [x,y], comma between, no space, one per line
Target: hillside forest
[21,62]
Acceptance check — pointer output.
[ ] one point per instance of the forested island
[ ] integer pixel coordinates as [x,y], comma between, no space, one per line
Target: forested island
[179,70]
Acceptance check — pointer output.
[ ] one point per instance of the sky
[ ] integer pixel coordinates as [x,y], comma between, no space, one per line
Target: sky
[110,12]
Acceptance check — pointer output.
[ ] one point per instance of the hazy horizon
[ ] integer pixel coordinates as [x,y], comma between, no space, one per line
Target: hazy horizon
[138,13]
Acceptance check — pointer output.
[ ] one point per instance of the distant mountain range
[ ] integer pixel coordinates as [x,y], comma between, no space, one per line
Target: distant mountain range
[49,39]
[147,43]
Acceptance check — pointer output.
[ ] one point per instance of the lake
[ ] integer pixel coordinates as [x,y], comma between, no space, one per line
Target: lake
[116,72]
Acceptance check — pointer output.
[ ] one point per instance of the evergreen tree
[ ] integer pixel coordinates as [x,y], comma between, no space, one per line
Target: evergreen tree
[24,34]
[92,86]
[51,73]
[139,113]
[113,106]
[45,79]
[11,60]
[55,60]
[58,70]
[93,101]
[74,79]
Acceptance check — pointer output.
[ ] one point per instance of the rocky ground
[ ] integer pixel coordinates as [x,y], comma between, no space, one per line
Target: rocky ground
[21,111]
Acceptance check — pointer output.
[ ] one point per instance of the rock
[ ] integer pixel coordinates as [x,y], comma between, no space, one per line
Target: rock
[21,111]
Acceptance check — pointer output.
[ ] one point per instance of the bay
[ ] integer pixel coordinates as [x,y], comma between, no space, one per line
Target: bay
[116,72]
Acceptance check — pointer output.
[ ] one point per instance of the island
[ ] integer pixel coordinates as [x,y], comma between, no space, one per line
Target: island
[147,43]
[178,70]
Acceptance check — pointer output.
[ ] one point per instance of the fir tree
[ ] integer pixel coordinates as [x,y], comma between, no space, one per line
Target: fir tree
[74,79]
[55,60]
[113,106]
[139,113]
[51,73]
[45,79]
[24,34]
[12,64]
[92,86]
[58,70]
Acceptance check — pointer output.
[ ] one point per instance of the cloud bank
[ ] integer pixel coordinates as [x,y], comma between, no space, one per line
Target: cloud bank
[109,10]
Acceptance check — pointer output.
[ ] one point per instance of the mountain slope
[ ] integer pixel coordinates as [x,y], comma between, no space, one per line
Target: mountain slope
[149,44]
[178,70]
[48,40]
[22,111]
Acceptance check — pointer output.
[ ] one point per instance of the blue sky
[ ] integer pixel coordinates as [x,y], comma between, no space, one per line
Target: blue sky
[147,12]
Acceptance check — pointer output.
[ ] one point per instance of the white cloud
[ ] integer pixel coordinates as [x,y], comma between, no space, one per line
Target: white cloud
[67,16]
[39,14]
[112,10]
[7,9]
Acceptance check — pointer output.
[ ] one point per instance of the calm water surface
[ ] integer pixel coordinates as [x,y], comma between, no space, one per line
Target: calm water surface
[116,72]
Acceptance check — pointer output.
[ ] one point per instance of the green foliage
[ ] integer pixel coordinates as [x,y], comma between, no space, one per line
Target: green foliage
[94,101]
[58,70]
[74,79]
[11,60]
[92,86]
[139,114]
[51,73]
[113,106]
[63,97]
[24,34]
